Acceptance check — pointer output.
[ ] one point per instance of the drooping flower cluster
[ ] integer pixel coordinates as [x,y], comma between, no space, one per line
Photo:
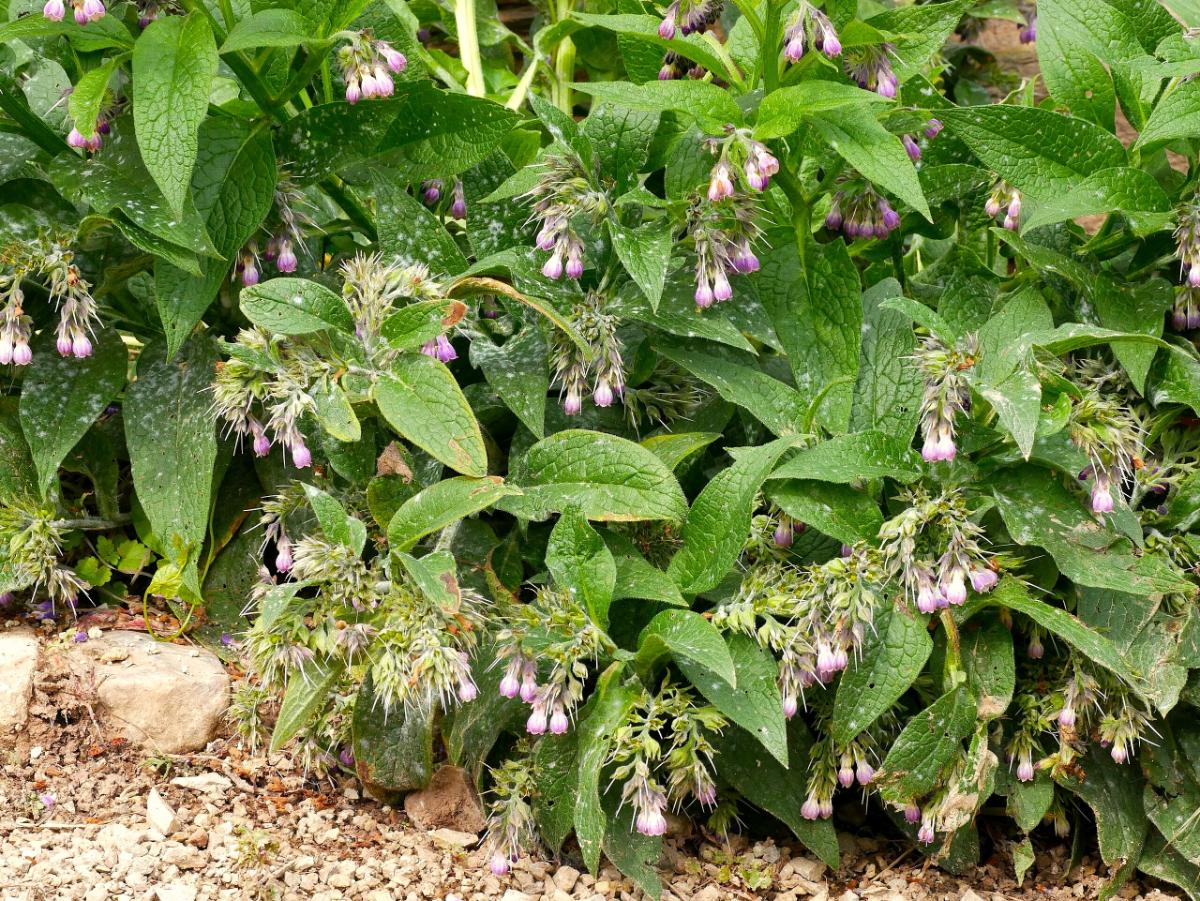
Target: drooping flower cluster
[859,211]
[1187,238]
[1110,435]
[85,10]
[667,731]
[286,229]
[367,66]
[946,394]
[933,549]
[675,66]
[809,27]
[601,372]
[89,142]
[510,828]
[1186,312]
[563,192]
[33,545]
[432,191]
[555,631]
[1004,199]
[418,643]
[267,386]
[871,67]
[52,259]
[689,17]
[813,617]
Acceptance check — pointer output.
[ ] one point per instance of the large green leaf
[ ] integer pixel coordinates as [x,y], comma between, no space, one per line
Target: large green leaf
[172,442]
[441,504]
[684,634]
[233,186]
[63,396]
[393,749]
[421,400]
[719,521]
[925,746]
[784,110]
[849,458]
[295,306]
[815,307]
[174,62]
[595,739]
[306,691]
[755,704]
[839,511]
[606,477]
[579,560]
[1037,151]
[892,657]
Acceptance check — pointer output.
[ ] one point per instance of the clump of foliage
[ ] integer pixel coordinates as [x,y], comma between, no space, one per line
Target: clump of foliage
[690,409]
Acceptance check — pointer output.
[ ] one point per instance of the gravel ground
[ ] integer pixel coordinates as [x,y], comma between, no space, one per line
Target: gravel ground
[84,815]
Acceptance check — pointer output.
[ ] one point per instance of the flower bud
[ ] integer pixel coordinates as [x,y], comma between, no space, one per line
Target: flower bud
[866,773]
[603,395]
[536,724]
[54,10]
[301,455]
[572,403]
[783,535]
[63,345]
[912,814]
[283,554]
[553,267]
[1066,717]
[1119,753]
[498,864]
[926,835]
[811,809]
[911,147]
[287,261]
[559,723]
[984,579]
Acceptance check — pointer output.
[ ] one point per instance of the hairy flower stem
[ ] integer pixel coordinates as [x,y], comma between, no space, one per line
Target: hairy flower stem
[953,647]
[771,42]
[468,46]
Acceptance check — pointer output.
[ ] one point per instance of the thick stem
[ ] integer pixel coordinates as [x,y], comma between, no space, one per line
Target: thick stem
[468,46]
[770,47]
[564,61]
[91,523]
[953,644]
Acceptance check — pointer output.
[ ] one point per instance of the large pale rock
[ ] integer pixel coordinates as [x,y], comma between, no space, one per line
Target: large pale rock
[18,660]
[165,697]
[450,802]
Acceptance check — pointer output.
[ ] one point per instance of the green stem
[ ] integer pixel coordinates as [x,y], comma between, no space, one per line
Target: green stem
[564,61]
[353,209]
[521,91]
[91,523]
[468,46]
[801,211]
[317,57]
[769,52]
[953,644]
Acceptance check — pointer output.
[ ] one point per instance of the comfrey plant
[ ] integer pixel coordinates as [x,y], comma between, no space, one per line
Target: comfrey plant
[700,410]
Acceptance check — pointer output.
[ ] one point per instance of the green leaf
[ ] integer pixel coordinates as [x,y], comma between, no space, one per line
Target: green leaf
[638,578]
[295,306]
[608,478]
[1028,802]
[892,657]
[580,561]
[922,316]
[683,634]
[785,110]
[1042,512]
[676,312]
[1176,115]
[441,504]
[398,134]
[1116,800]
[1132,192]
[333,410]
[887,394]
[645,252]
[634,854]
[103,34]
[851,458]
[267,28]
[856,135]
[706,104]
[923,30]
[1074,75]
[755,704]
[925,746]
[87,97]
[306,691]
[1017,401]
[474,728]
[779,406]
[675,447]
[595,739]
[1162,861]
[174,62]
[839,511]
[18,476]
[63,396]
[1037,151]
[556,769]
[336,524]
[417,323]
[621,140]
[816,309]
[172,443]
[421,400]
[393,749]
[411,233]
[719,521]
[517,371]
[991,668]
[778,790]
[233,186]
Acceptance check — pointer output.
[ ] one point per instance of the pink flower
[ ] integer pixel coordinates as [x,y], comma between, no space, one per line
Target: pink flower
[301,455]
[54,10]
[498,864]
